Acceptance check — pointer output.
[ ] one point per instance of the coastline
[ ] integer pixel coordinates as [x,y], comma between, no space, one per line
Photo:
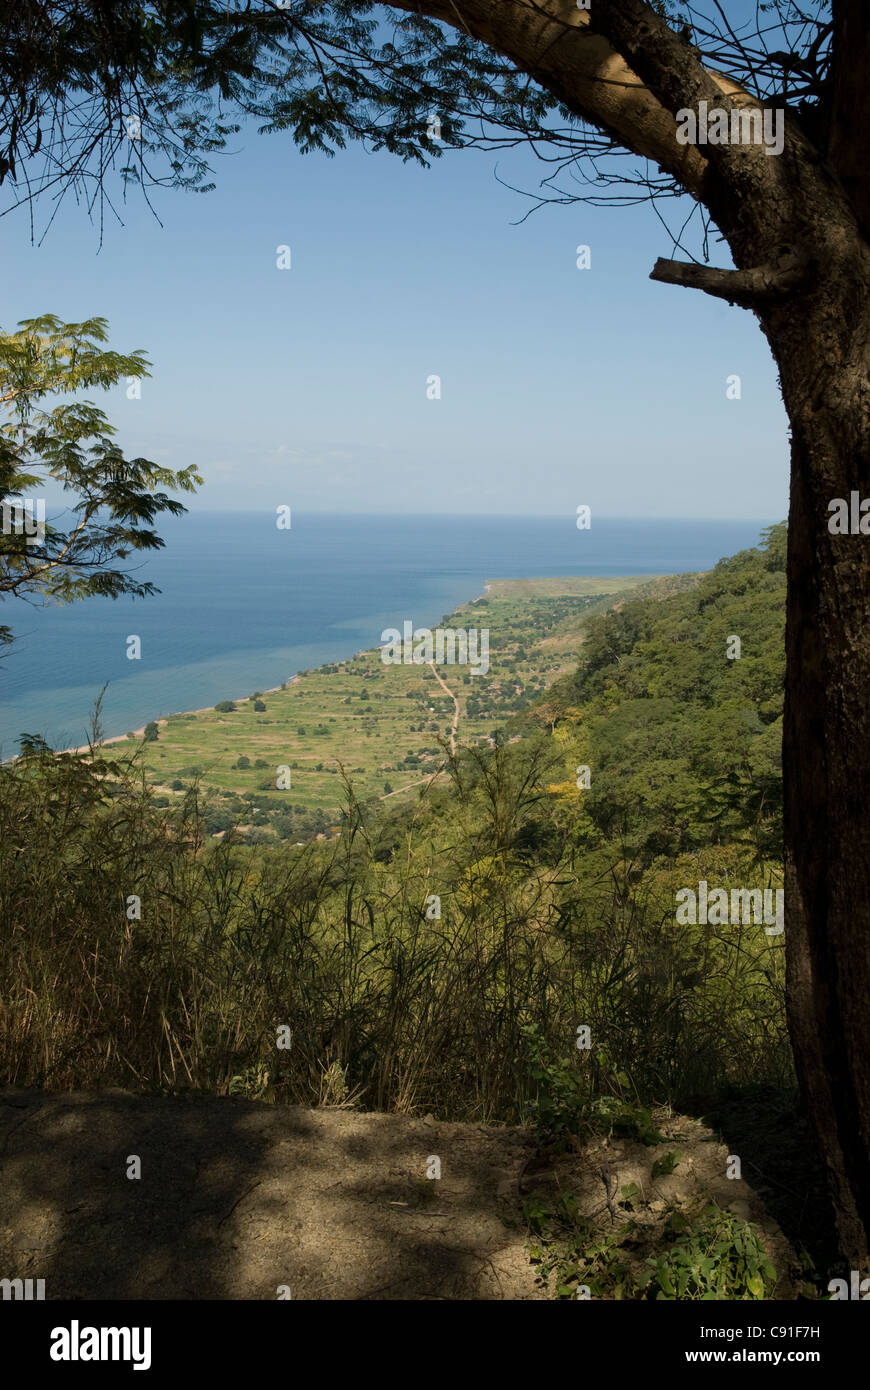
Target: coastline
[140,733]
[238,699]
[334,722]
[591,584]
[301,623]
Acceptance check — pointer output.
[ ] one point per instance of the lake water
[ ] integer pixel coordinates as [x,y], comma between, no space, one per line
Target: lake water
[243,606]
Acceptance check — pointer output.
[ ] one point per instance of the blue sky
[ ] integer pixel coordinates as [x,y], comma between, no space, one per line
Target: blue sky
[308,386]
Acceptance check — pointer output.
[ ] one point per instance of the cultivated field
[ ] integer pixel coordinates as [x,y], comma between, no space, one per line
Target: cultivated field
[381,726]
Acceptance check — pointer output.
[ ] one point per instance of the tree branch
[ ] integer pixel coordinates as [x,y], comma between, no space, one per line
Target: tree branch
[673,71]
[553,42]
[748,288]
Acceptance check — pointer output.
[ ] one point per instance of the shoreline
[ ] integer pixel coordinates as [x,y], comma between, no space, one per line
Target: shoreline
[206,709]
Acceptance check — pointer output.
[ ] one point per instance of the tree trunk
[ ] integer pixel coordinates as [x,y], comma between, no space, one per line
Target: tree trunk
[822,345]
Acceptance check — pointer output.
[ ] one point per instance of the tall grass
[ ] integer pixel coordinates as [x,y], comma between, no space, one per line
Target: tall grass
[387,1007]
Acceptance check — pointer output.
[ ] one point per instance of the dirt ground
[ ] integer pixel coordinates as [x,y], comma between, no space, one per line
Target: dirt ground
[237,1199]
[242,1200]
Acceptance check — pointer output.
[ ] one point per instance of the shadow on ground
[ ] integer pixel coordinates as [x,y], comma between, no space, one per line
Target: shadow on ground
[770,1132]
[238,1199]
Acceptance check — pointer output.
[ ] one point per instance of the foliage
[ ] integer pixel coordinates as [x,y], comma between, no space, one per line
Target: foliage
[71,445]
[714,1256]
[699,1253]
[155,90]
[562,1092]
[684,741]
[665,1165]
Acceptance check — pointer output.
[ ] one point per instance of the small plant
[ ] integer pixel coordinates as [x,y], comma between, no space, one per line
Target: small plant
[614,1115]
[576,1253]
[709,1254]
[564,1103]
[255,1083]
[713,1256]
[630,1196]
[334,1091]
[562,1091]
[664,1166]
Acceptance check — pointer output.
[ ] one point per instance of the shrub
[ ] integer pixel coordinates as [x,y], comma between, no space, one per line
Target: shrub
[713,1256]
[699,1253]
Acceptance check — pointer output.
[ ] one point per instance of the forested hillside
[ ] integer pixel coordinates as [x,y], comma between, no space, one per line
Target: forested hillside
[685,742]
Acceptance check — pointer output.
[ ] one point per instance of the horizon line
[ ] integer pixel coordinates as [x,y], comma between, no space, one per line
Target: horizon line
[477,516]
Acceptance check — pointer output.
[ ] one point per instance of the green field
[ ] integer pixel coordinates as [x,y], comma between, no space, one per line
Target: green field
[384,727]
[576,586]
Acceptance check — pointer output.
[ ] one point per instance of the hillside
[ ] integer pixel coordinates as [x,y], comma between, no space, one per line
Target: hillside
[500,946]
[378,726]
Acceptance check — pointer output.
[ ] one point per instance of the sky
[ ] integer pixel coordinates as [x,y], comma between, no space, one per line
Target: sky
[309,386]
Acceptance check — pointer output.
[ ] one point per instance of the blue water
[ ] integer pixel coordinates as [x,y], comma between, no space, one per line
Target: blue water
[243,606]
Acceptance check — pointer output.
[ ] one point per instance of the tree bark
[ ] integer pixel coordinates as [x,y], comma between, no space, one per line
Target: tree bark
[826,745]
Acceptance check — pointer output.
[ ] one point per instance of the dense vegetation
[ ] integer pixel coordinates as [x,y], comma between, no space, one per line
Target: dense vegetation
[434,953]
